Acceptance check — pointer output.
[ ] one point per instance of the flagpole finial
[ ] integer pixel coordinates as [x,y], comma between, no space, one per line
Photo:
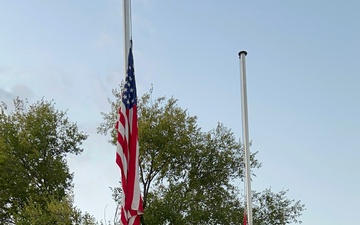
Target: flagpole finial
[242,52]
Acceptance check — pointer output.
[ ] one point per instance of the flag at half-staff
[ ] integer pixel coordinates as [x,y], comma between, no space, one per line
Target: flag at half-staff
[127,151]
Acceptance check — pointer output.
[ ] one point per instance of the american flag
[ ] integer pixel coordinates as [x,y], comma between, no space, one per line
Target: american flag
[127,151]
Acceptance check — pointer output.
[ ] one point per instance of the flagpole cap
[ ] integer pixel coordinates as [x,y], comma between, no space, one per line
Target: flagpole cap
[242,52]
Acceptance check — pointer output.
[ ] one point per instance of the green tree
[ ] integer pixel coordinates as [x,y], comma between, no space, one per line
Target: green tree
[55,212]
[188,176]
[35,180]
[275,208]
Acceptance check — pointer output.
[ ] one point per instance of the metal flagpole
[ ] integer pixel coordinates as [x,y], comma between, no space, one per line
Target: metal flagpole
[127,31]
[245,126]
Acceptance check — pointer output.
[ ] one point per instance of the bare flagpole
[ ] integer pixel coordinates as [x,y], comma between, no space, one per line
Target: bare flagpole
[127,31]
[246,144]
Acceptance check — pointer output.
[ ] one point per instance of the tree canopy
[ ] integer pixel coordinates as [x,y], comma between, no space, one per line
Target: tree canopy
[189,176]
[35,181]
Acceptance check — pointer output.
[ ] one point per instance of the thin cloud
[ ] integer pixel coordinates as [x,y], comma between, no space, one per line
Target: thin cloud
[105,41]
[22,91]
[3,70]
[6,96]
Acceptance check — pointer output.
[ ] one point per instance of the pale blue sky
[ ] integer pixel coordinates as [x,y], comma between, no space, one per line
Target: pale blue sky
[302,71]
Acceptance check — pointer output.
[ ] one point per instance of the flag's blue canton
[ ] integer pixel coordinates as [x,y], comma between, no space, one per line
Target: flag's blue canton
[129,91]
